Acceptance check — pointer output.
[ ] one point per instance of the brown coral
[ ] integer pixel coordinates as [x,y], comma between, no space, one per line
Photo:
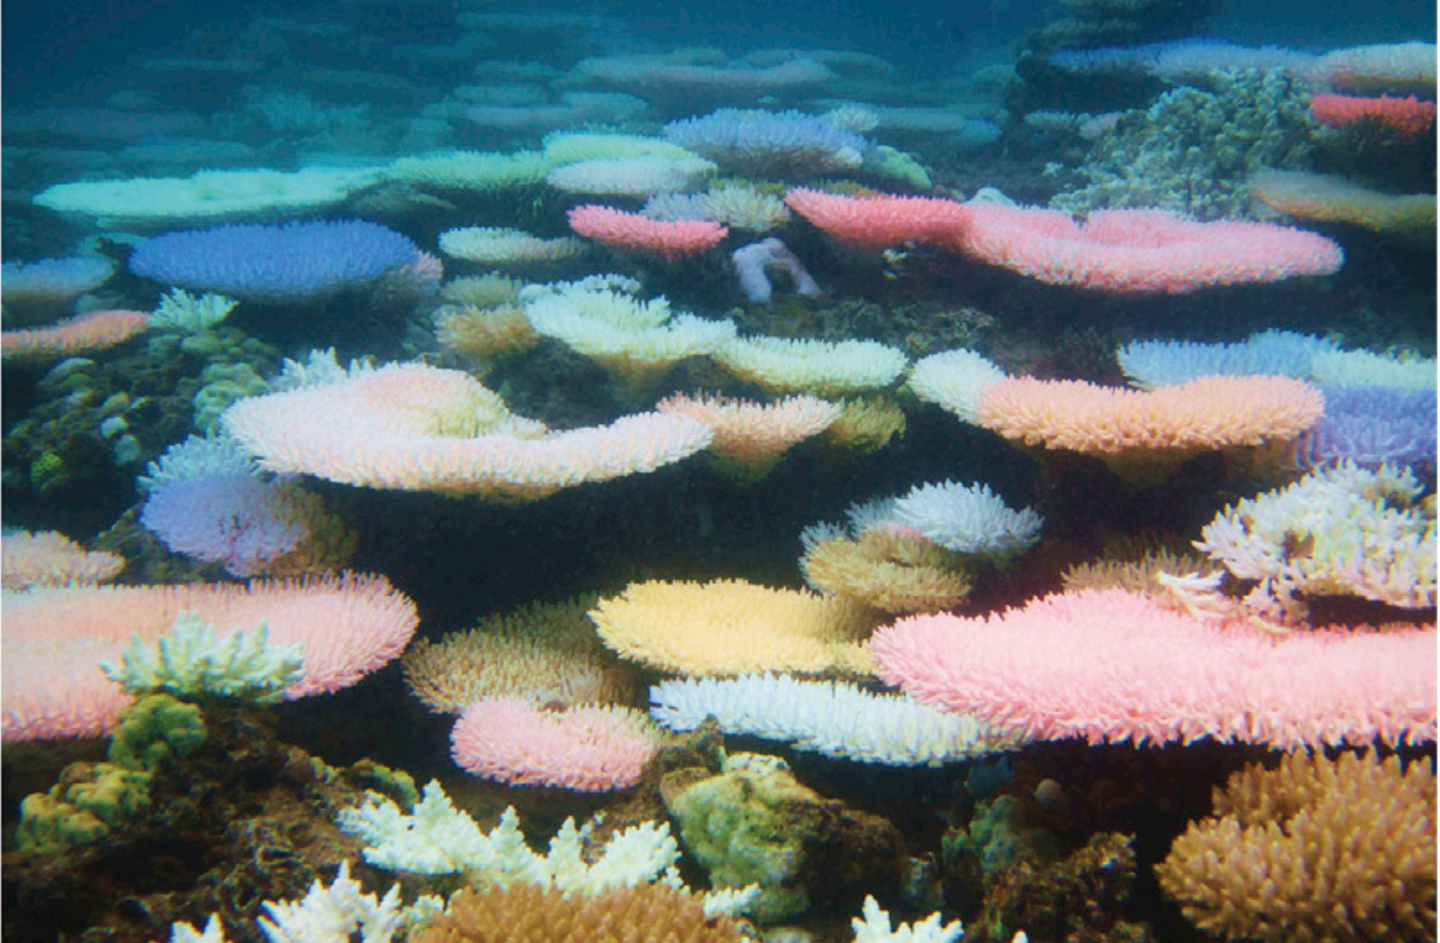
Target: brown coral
[1315,851]
[889,569]
[547,652]
[527,913]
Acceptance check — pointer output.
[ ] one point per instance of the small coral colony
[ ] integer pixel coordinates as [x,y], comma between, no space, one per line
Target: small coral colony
[475,488]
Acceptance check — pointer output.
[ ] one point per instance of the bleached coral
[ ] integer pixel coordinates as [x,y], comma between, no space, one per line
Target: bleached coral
[954,380]
[183,313]
[874,927]
[821,368]
[499,245]
[194,661]
[632,339]
[437,838]
[214,453]
[337,914]
[831,718]
[967,518]
[1342,530]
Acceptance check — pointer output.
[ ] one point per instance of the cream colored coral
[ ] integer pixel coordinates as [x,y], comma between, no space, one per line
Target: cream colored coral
[730,626]
[1315,851]
[49,558]
[1342,530]
[750,438]
[821,368]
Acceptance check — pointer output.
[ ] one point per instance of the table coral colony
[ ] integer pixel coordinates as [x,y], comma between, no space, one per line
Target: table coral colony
[787,494]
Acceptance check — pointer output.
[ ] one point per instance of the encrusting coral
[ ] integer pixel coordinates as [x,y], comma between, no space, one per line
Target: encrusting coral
[1320,850]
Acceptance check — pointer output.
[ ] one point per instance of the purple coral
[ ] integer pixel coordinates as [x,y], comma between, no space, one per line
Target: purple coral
[236,520]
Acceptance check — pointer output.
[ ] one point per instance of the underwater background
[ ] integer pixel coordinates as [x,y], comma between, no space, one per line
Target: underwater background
[646,471]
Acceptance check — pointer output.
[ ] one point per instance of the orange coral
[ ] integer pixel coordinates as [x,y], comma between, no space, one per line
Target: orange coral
[1141,432]
[94,331]
[1407,116]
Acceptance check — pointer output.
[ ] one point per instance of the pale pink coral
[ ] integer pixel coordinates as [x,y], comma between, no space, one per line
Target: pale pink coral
[1142,251]
[94,331]
[632,231]
[1111,666]
[52,559]
[591,749]
[1129,251]
[418,428]
[750,438]
[55,640]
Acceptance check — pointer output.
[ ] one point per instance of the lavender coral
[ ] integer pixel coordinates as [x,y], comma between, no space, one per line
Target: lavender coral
[275,264]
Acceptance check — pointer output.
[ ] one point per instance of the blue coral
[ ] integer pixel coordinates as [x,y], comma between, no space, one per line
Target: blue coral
[1373,424]
[1272,353]
[297,261]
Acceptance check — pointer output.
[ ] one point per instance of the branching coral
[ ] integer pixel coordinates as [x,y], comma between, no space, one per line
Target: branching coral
[1328,851]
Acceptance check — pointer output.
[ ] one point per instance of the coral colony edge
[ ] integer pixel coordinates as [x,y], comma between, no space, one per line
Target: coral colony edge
[667,474]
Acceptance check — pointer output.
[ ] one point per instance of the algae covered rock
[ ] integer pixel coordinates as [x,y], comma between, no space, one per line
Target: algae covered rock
[755,823]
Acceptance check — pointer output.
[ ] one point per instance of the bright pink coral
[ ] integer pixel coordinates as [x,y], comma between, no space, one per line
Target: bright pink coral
[1109,666]
[591,749]
[55,640]
[1142,251]
[633,231]
[875,222]
[1406,116]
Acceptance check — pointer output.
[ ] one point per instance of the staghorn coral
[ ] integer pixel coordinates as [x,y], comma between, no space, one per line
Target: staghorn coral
[1341,530]
[525,913]
[1192,150]
[1316,850]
